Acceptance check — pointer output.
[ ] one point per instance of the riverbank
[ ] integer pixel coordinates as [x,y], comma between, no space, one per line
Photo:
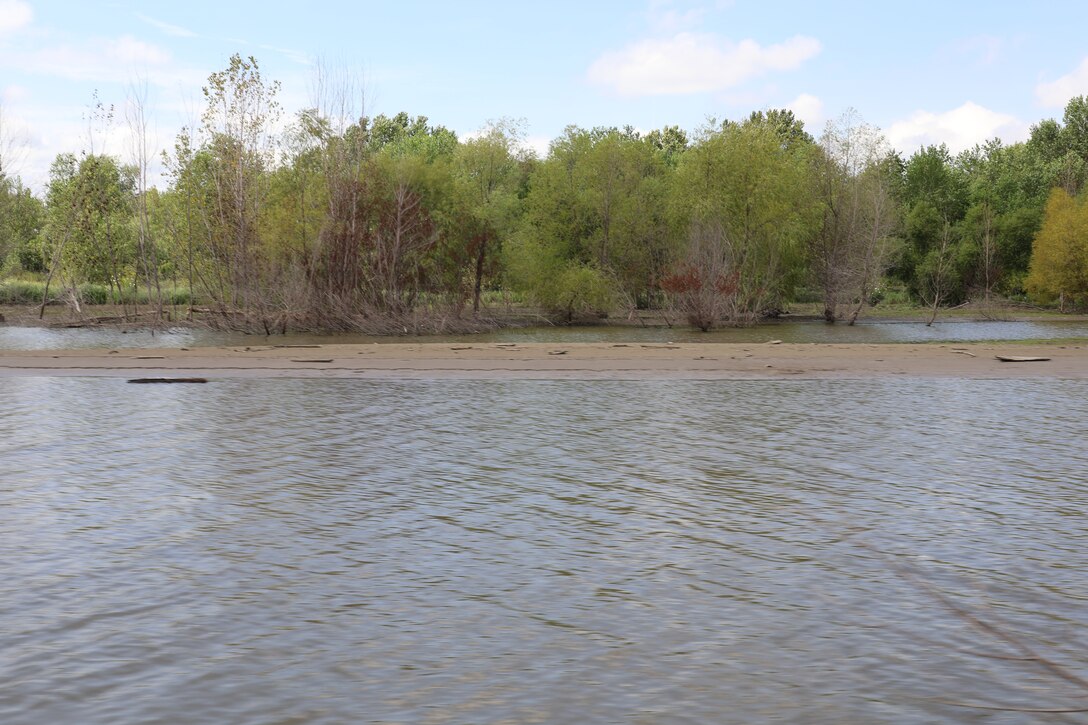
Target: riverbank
[698,361]
[506,316]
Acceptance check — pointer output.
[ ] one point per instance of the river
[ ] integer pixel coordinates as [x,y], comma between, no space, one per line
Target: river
[42,338]
[300,551]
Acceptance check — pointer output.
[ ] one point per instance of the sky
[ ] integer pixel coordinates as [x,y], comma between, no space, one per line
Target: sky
[956,72]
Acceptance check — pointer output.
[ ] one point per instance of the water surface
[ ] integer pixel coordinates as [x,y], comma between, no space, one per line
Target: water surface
[274,551]
[36,338]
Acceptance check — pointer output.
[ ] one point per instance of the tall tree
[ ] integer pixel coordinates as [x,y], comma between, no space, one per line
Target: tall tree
[88,235]
[743,202]
[596,220]
[488,170]
[240,113]
[1059,260]
[851,247]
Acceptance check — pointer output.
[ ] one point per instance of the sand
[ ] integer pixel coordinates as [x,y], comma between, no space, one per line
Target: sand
[696,361]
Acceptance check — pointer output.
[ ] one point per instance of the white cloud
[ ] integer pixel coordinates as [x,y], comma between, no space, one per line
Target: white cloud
[664,17]
[14,14]
[103,60]
[175,30]
[14,94]
[130,50]
[20,147]
[810,110]
[749,98]
[537,144]
[40,133]
[298,56]
[960,129]
[695,63]
[1057,93]
[984,49]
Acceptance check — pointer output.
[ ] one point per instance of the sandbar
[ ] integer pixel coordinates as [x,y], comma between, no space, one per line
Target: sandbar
[433,360]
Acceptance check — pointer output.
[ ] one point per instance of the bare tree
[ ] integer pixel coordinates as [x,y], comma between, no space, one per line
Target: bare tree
[140,155]
[13,146]
[699,289]
[851,248]
[336,122]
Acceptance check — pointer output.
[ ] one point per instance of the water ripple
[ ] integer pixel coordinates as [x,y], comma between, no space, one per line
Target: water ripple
[258,551]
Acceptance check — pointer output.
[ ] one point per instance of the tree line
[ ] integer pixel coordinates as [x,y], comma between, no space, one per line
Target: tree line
[331,219]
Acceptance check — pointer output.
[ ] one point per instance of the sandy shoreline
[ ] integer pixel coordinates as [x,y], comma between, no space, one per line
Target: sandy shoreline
[697,361]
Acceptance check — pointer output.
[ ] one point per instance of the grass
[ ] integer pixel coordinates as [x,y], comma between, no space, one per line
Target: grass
[18,292]
[21,292]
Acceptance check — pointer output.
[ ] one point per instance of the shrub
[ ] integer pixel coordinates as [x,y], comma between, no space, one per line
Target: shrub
[21,292]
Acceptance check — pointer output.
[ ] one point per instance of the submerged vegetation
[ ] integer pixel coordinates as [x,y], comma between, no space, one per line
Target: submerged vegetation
[348,222]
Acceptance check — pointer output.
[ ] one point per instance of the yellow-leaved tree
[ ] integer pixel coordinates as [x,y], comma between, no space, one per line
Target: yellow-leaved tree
[1059,254]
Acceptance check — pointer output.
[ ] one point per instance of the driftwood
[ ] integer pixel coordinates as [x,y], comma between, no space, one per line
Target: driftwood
[168,380]
[1020,358]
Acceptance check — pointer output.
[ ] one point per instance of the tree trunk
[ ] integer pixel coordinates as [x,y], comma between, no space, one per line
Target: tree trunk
[479,276]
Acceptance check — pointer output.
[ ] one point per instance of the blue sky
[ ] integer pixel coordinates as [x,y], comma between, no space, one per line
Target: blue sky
[953,72]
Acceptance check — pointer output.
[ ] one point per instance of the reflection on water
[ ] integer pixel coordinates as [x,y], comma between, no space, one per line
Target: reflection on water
[256,551]
[35,338]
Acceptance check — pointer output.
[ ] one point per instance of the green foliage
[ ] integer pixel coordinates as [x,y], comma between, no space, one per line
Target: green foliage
[28,292]
[788,128]
[99,294]
[20,223]
[89,226]
[671,141]
[484,207]
[1075,131]
[890,293]
[931,178]
[346,216]
[598,202]
[741,200]
[21,292]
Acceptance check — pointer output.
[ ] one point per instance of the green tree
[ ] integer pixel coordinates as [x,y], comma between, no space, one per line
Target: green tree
[671,141]
[742,199]
[488,171]
[1075,131]
[20,223]
[788,128]
[240,112]
[89,234]
[595,215]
